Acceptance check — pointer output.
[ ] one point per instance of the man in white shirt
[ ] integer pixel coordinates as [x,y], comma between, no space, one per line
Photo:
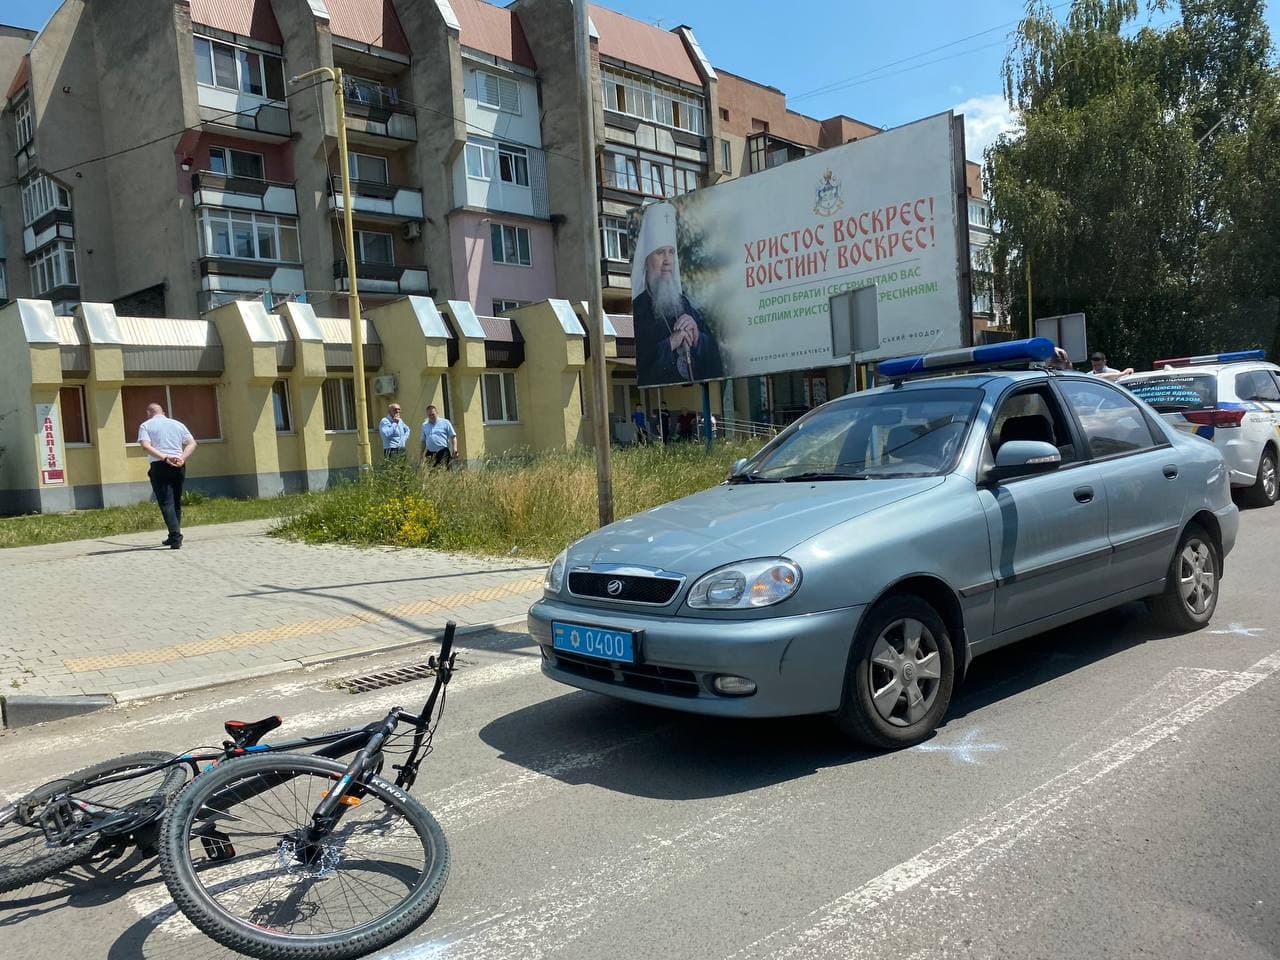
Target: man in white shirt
[1100,368]
[439,440]
[168,444]
[395,434]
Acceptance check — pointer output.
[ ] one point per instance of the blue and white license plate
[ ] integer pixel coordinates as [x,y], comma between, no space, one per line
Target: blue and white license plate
[617,645]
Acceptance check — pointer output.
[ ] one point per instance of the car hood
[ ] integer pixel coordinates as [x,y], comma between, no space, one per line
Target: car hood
[738,521]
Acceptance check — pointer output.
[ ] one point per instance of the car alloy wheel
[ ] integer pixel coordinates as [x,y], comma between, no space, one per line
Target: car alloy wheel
[905,672]
[1270,482]
[1197,576]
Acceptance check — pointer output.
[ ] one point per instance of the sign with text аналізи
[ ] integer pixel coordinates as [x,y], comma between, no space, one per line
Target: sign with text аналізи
[757,260]
[49,434]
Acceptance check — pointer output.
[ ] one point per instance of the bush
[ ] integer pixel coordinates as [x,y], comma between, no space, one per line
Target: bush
[521,504]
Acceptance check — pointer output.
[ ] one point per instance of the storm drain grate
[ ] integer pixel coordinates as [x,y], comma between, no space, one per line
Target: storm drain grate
[388,678]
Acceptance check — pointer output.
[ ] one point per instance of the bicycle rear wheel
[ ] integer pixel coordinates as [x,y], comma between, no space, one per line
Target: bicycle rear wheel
[27,855]
[234,859]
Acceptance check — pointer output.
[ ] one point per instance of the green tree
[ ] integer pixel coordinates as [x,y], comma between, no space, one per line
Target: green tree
[1139,159]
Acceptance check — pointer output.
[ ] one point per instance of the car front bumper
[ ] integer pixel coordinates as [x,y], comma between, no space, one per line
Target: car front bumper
[797,663]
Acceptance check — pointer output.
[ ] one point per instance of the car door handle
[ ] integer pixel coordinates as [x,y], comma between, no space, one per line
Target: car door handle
[1083,494]
[1170,470]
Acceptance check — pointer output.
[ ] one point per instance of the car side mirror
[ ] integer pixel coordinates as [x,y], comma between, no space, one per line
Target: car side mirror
[1023,458]
[737,466]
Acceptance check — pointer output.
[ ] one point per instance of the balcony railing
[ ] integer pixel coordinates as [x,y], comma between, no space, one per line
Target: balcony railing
[383,278]
[378,199]
[224,108]
[243,193]
[377,111]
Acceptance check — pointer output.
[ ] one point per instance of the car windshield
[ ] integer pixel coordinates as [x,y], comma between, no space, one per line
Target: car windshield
[1176,392]
[896,433]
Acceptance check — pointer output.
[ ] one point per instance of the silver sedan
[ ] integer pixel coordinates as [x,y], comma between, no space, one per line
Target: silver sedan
[857,563]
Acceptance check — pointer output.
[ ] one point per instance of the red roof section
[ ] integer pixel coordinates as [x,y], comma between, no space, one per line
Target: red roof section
[248,18]
[644,45]
[493,30]
[368,21]
[20,78]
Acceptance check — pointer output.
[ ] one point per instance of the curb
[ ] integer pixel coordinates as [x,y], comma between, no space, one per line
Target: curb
[27,711]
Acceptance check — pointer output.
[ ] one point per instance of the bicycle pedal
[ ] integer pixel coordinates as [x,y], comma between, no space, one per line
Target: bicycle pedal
[217,846]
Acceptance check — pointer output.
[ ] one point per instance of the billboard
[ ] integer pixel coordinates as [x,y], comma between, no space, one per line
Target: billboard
[734,280]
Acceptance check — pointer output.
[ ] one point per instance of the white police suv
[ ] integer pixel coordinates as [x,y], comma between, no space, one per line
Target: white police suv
[1230,399]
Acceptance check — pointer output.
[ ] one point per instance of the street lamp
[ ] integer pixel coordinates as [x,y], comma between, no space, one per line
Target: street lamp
[364,456]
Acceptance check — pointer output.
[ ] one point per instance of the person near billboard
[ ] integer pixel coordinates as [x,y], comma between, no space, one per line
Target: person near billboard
[673,344]
[168,445]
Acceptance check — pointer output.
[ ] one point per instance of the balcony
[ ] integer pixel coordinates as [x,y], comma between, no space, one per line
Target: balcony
[56,224]
[373,199]
[210,189]
[375,125]
[254,118]
[765,151]
[231,278]
[383,278]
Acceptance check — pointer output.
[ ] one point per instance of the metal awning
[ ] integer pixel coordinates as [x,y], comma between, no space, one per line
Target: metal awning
[73,346]
[286,349]
[625,327]
[336,334]
[153,346]
[503,342]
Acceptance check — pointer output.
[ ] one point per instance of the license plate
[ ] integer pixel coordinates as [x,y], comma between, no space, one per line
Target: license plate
[616,645]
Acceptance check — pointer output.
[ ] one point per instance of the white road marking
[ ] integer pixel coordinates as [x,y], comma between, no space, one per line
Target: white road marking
[1239,630]
[963,750]
[838,929]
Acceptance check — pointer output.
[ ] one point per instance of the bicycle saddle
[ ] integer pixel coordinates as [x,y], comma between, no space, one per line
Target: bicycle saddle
[247,734]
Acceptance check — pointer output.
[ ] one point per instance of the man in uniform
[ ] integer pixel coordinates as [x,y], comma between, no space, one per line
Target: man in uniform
[168,444]
[673,344]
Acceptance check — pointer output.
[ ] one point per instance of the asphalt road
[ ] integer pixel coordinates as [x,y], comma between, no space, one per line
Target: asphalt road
[1100,791]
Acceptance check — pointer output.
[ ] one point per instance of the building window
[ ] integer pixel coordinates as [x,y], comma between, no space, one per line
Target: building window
[280,404]
[239,69]
[53,267]
[40,195]
[446,397]
[499,93]
[617,239]
[75,423]
[368,168]
[248,236]
[196,405]
[22,117]
[236,163]
[621,172]
[375,247]
[502,306]
[640,97]
[510,244]
[510,162]
[726,156]
[498,397]
[979,215]
[338,397]
[724,114]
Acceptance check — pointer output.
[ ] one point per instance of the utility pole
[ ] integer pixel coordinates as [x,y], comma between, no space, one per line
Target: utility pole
[364,456]
[595,311]
[1031,325]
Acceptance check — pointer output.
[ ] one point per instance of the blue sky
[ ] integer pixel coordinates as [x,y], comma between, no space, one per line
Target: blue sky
[819,43]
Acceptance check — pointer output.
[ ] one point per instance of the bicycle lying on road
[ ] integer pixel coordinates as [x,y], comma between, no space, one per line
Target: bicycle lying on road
[271,852]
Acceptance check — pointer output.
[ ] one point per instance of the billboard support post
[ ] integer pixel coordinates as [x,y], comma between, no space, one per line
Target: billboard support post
[591,236]
[707,432]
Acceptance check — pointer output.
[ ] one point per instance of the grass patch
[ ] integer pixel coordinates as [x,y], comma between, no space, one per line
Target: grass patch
[530,506]
[197,508]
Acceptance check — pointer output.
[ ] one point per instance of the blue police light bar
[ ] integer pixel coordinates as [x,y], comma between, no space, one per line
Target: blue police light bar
[1211,358]
[1035,350]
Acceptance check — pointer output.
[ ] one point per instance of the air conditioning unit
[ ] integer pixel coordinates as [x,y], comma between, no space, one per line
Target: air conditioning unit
[412,230]
[384,386]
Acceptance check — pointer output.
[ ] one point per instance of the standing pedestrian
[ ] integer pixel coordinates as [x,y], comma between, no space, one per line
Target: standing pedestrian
[395,434]
[664,417]
[439,440]
[1100,368]
[168,444]
[642,431]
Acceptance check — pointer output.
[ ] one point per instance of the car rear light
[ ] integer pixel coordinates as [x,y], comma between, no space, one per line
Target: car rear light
[1216,418]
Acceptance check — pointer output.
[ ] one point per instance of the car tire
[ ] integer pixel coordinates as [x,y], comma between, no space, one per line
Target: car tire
[1191,584]
[900,675]
[1266,489]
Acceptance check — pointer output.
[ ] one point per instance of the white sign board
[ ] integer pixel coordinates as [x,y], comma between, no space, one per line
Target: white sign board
[1066,331]
[735,280]
[53,471]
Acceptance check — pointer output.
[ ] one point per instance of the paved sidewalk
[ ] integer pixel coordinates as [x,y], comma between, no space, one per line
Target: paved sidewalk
[127,617]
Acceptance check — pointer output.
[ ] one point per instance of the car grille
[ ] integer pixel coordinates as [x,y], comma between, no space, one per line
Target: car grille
[637,676]
[655,590]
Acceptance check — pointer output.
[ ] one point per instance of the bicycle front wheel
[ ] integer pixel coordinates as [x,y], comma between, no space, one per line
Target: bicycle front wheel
[29,852]
[236,860]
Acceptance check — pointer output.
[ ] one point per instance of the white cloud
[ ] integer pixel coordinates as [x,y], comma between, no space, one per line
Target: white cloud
[985,118]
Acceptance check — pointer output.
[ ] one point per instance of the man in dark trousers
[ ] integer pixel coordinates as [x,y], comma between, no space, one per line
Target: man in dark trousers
[169,445]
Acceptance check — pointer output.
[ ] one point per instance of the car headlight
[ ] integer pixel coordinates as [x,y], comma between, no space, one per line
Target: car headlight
[746,585]
[554,579]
